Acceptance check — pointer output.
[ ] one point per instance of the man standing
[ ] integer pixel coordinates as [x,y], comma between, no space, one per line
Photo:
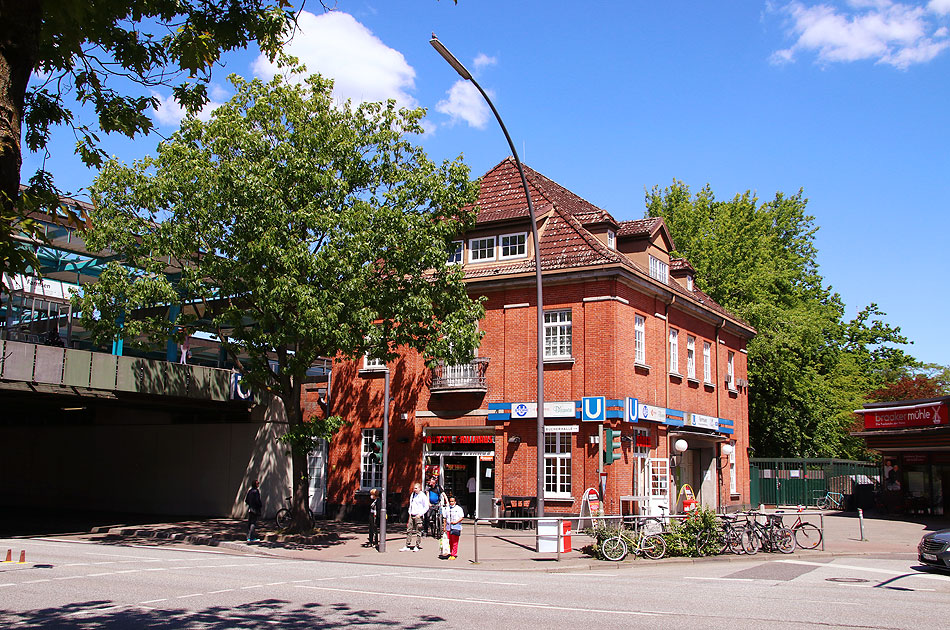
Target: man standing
[418,506]
[434,492]
[254,508]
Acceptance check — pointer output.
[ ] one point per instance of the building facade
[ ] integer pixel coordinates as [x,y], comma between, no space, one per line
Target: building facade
[631,346]
[913,436]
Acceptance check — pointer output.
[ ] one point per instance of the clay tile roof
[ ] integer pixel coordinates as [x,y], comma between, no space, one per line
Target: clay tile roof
[502,196]
[639,227]
[678,264]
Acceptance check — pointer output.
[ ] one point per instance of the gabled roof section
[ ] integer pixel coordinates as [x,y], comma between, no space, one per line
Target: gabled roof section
[502,196]
[681,264]
[641,228]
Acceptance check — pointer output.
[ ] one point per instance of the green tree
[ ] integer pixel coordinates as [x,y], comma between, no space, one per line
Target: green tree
[291,229]
[808,369]
[96,53]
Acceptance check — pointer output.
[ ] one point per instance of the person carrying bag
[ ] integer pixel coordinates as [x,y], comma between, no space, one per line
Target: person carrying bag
[453,526]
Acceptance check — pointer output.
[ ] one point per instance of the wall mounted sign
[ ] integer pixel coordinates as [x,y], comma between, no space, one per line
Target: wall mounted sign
[630,410]
[594,409]
[908,416]
[460,439]
[700,421]
[652,413]
[561,409]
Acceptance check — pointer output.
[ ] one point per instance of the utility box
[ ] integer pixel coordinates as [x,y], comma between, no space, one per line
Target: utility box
[548,536]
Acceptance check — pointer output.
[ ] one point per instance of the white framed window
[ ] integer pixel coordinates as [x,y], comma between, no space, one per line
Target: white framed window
[455,253]
[639,340]
[557,464]
[690,357]
[611,239]
[674,351]
[730,370]
[481,249]
[557,335]
[371,461]
[707,365]
[659,270]
[369,363]
[514,246]
[732,470]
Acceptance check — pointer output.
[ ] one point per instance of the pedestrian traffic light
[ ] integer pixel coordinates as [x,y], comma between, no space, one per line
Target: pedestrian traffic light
[611,446]
[376,451]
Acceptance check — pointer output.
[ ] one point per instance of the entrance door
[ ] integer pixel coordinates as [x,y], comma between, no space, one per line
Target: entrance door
[316,470]
[659,487]
[486,486]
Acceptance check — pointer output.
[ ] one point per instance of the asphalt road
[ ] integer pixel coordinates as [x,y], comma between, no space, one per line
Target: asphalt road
[70,584]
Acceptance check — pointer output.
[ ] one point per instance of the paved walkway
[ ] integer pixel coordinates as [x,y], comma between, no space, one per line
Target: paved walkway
[498,549]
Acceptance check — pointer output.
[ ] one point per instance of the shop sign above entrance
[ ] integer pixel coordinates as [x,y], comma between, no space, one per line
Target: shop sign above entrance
[460,439]
[551,409]
[652,413]
[899,417]
[700,421]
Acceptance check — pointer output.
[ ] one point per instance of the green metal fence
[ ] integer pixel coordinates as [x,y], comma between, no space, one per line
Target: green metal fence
[795,481]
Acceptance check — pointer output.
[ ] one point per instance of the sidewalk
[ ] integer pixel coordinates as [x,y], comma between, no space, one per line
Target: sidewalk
[498,549]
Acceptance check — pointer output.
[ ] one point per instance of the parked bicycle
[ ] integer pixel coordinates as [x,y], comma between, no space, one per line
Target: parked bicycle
[731,536]
[434,521]
[807,535]
[768,536]
[285,515]
[616,548]
[831,500]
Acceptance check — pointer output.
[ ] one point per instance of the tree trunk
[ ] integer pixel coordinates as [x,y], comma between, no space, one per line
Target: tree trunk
[20,22]
[299,471]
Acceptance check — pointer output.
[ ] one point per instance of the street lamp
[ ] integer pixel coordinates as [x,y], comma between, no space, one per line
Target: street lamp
[465,74]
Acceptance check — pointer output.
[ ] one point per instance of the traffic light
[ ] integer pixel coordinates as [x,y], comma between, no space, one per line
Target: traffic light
[611,446]
[376,451]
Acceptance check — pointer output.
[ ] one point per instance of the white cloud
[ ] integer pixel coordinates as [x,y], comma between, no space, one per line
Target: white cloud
[887,32]
[483,60]
[940,7]
[465,103]
[362,67]
[170,113]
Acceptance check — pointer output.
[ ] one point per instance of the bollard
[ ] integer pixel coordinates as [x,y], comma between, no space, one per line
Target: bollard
[475,539]
[23,556]
[861,524]
[9,556]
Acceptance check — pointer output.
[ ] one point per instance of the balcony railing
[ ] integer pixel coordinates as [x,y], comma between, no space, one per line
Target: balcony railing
[467,377]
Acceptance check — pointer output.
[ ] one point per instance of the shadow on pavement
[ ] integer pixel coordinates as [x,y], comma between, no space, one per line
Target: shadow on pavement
[264,613]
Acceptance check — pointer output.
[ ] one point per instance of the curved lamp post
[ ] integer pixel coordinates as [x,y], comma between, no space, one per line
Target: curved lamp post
[465,74]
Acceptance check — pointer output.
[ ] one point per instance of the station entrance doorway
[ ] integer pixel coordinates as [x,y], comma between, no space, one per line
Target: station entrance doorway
[465,466]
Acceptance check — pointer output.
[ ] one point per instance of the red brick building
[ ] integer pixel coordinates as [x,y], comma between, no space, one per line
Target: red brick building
[624,326]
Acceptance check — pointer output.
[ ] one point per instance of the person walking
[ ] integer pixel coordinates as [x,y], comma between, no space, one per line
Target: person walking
[434,491]
[254,508]
[418,506]
[453,526]
[373,519]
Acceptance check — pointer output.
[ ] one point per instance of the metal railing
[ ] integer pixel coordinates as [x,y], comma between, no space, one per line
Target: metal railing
[463,377]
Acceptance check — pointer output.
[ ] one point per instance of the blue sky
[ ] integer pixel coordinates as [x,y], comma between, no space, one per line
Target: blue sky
[846,100]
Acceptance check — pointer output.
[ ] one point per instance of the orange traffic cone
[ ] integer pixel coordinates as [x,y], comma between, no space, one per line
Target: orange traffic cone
[23,556]
[9,556]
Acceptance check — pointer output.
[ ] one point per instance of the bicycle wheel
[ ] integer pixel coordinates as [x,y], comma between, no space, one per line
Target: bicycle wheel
[653,546]
[783,540]
[824,503]
[614,548]
[284,518]
[751,541]
[733,541]
[807,536]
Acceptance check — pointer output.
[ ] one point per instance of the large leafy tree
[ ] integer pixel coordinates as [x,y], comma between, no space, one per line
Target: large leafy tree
[808,368]
[290,228]
[88,65]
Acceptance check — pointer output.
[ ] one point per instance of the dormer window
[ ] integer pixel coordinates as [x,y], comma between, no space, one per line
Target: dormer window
[514,246]
[659,270]
[611,239]
[481,249]
[455,253]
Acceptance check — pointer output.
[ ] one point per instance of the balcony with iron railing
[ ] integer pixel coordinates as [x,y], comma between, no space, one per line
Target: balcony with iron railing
[465,378]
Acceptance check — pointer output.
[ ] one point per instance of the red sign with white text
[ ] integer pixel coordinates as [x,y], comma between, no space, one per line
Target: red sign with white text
[922,416]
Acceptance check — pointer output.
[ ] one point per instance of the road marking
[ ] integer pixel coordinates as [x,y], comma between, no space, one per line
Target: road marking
[493,602]
[724,579]
[8,584]
[70,577]
[99,574]
[442,579]
[223,590]
[35,581]
[275,584]
[835,602]
[191,595]
[942,578]
[154,601]
[244,588]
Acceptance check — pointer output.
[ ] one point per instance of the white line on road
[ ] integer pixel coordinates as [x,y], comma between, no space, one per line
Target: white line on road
[722,579]
[493,602]
[442,579]
[942,578]
[223,590]
[191,595]
[153,601]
